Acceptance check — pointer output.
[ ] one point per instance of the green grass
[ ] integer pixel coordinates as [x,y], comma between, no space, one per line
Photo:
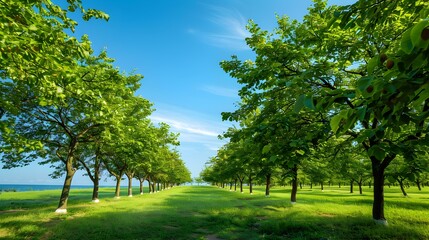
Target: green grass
[212,213]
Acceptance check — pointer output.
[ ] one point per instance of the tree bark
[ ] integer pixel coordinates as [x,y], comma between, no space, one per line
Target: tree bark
[235,185]
[321,186]
[130,177]
[96,184]
[148,182]
[250,184]
[95,191]
[351,186]
[360,186]
[418,184]
[118,187]
[294,184]
[378,168]
[401,185]
[141,180]
[62,205]
[378,204]
[267,185]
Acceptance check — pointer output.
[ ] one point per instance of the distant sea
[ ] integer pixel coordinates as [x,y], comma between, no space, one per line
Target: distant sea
[30,187]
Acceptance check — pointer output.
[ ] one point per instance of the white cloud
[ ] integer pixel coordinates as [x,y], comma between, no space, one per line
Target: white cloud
[230,28]
[221,91]
[193,127]
[184,126]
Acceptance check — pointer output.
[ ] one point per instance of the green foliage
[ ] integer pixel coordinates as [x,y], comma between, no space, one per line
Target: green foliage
[66,107]
[355,72]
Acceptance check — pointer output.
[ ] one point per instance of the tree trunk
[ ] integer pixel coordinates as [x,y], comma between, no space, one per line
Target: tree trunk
[370,183]
[130,184]
[378,168]
[118,187]
[95,191]
[62,205]
[95,178]
[339,185]
[378,204]
[141,180]
[311,185]
[418,184]
[241,185]
[149,184]
[321,186]
[267,185]
[250,185]
[351,186]
[401,184]
[230,186]
[235,185]
[294,184]
[360,187]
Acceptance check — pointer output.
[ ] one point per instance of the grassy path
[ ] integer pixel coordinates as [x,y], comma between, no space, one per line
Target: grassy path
[212,213]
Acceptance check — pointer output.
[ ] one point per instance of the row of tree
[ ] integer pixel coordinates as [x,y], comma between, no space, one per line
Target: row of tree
[342,171]
[346,88]
[65,106]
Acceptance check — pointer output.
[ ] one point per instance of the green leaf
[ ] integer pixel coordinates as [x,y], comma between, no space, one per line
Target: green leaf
[416,32]
[266,148]
[43,103]
[391,179]
[299,104]
[364,82]
[372,63]
[308,102]
[377,152]
[407,44]
[273,158]
[300,152]
[361,113]
[335,122]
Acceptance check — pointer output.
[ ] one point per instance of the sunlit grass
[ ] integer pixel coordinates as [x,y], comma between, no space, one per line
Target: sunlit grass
[199,212]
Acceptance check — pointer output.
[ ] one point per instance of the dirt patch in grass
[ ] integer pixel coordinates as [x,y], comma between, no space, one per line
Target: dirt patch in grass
[11,211]
[326,215]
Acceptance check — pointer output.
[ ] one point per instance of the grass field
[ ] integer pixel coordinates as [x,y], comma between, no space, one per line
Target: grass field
[212,213]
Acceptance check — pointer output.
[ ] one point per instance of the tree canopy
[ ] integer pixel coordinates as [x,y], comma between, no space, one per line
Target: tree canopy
[355,73]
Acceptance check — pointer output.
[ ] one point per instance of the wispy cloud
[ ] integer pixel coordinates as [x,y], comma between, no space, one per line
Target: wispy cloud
[184,126]
[221,91]
[230,29]
[193,127]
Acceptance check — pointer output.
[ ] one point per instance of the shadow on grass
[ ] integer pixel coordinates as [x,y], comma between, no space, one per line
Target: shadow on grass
[199,212]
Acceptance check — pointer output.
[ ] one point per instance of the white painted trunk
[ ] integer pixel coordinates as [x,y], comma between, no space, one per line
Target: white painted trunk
[130,195]
[381,222]
[61,211]
[96,200]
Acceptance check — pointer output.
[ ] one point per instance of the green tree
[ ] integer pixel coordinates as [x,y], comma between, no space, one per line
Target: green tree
[335,61]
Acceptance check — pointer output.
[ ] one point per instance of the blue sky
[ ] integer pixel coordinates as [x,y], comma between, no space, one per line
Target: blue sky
[177,46]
